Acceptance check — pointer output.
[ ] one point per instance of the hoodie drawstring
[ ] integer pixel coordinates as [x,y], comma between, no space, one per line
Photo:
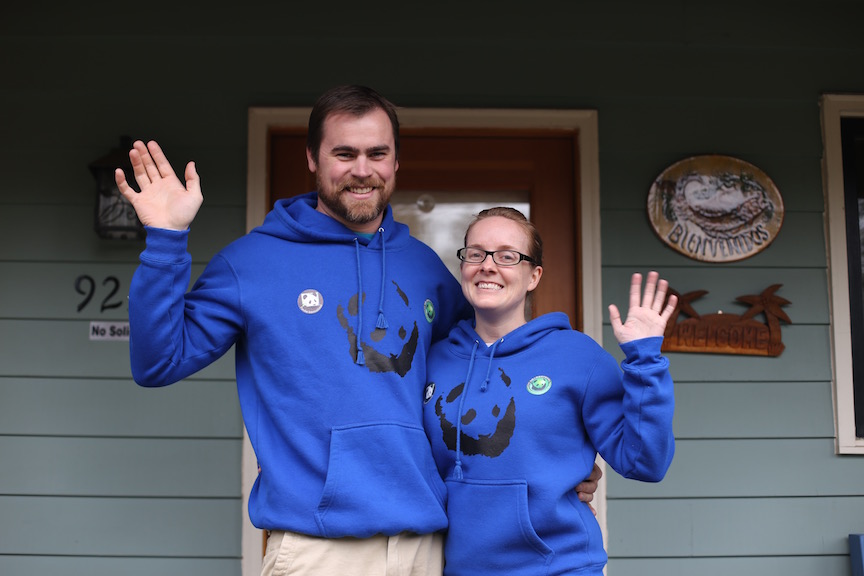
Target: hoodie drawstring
[361,360]
[381,321]
[485,384]
[457,469]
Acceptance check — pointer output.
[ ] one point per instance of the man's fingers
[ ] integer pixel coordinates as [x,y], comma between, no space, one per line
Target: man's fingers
[160,162]
[193,182]
[122,184]
[138,169]
[146,163]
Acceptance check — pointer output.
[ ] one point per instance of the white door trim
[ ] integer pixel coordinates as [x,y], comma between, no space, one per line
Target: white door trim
[584,122]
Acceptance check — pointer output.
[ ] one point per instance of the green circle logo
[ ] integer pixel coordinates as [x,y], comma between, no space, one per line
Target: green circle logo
[429,311]
[539,385]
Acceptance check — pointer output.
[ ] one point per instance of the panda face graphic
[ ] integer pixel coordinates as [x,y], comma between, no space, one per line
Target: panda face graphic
[309,299]
[498,432]
[384,349]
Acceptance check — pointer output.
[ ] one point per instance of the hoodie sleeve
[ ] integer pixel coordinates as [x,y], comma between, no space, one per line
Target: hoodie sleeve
[173,334]
[629,415]
[452,306]
[455,309]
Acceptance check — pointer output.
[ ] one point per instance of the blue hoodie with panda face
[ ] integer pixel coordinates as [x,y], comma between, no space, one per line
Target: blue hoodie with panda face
[331,332]
[516,425]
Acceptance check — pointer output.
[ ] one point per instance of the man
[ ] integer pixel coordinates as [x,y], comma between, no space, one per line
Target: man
[332,307]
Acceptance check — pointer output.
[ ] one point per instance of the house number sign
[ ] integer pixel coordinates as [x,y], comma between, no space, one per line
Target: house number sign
[106,299]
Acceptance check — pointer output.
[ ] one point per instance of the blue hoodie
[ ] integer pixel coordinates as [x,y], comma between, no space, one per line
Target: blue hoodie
[330,383]
[515,426]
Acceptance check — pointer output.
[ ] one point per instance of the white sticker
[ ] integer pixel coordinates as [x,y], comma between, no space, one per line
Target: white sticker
[109,331]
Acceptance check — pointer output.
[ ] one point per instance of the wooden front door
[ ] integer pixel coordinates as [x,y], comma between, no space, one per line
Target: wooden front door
[490,165]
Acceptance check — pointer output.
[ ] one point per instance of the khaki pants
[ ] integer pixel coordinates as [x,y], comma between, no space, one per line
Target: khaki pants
[290,553]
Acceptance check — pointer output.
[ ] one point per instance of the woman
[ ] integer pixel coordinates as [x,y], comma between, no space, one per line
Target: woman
[517,410]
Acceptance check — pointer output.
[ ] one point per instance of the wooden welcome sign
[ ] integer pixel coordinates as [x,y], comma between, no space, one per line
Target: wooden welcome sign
[721,333]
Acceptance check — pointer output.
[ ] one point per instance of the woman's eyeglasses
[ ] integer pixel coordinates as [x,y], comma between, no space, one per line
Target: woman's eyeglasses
[499,257]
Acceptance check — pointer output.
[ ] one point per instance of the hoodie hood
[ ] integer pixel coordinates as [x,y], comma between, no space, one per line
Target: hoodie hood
[463,336]
[296,219]
[465,342]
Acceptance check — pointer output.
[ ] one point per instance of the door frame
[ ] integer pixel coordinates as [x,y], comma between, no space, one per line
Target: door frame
[583,122]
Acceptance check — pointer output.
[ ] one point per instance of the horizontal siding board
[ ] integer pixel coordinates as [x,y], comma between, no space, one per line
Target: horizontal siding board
[797,18]
[801,241]
[753,410]
[749,469]
[112,566]
[56,232]
[224,169]
[43,466]
[805,359]
[659,62]
[50,290]
[141,527]
[63,349]
[184,119]
[797,565]
[668,15]
[663,23]
[799,286]
[733,526]
[115,408]
[740,127]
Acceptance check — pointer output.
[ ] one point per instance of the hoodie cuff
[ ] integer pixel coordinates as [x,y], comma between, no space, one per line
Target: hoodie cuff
[643,351]
[163,245]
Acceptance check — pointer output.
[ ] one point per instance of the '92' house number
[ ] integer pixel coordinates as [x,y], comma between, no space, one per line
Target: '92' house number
[86,286]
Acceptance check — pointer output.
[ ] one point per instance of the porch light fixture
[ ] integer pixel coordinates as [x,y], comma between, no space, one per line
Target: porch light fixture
[114,217]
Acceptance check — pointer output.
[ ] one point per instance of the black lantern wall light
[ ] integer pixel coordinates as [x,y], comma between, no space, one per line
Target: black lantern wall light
[115,218]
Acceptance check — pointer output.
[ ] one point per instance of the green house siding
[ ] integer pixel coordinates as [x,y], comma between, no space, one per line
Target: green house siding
[100,476]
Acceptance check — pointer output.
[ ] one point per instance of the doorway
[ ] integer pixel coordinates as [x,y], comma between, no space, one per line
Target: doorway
[583,220]
[446,176]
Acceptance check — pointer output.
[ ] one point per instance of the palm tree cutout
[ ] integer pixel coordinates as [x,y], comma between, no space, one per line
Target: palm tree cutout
[721,333]
[684,305]
[769,304]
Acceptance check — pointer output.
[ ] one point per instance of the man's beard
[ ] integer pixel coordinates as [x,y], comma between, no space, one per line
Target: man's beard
[360,212]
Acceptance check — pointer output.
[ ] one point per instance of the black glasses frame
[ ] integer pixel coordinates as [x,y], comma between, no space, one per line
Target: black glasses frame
[461,253]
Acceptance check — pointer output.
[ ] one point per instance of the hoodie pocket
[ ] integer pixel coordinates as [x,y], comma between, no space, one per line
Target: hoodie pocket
[490,530]
[381,479]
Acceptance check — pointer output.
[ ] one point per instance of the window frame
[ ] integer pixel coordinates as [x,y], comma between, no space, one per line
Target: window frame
[834,107]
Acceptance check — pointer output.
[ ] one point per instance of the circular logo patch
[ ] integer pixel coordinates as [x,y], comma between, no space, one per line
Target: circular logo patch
[539,385]
[310,301]
[429,311]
